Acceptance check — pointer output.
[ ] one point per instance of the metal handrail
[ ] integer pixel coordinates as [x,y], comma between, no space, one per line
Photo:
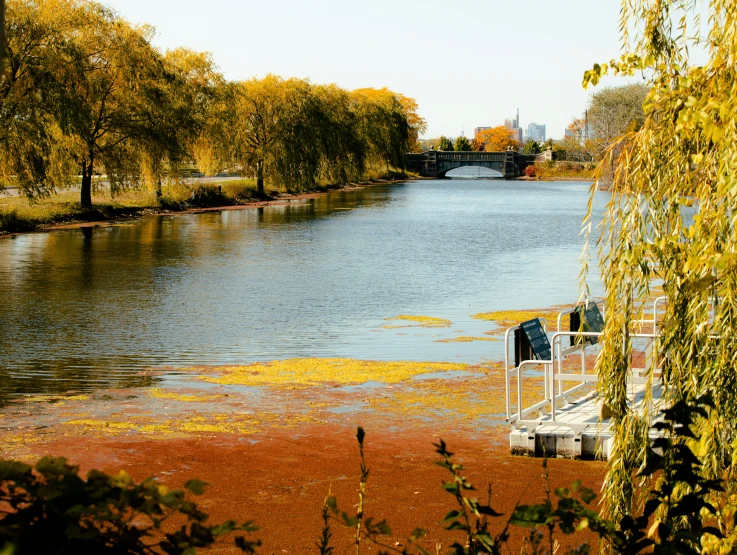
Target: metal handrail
[582,377]
[549,374]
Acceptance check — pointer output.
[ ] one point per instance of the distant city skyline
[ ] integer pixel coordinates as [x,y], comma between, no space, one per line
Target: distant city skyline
[430,53]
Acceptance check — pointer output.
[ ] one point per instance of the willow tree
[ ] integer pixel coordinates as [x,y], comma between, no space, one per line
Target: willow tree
[111,98]
[334,123]
[684,157]
[383,125]
[206,96]
[257,113]
[34,153]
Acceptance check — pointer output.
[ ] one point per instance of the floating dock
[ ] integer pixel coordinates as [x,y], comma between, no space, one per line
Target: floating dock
[577,431]
[567,421]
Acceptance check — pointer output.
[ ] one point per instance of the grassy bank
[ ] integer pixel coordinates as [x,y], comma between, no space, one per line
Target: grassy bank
[562,170]
[18,214]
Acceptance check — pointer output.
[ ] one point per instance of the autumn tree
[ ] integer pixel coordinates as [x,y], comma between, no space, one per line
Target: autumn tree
[258,116]
[86,92]
[384,125]
[462,144]
[34,152]
[498,139]
[417,124]
[204,90]
[343,155]
[444,143]
[670,224]
[113,98]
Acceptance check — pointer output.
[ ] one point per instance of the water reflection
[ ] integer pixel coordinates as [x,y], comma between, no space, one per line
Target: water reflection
[93,307]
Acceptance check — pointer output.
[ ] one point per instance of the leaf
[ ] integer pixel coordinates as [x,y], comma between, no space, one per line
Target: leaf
[528,516]
[350,521]
[606,412]
[452,515]
[487,511]
[417,533]
[360,435]
[702,283]
[55,466]
[123,480]
[195,486]
[13,470]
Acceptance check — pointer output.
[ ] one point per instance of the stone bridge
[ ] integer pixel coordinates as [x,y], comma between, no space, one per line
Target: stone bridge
[436,163]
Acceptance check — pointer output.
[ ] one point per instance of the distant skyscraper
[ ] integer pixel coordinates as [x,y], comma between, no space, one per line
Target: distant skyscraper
[477,130]
[535,132]
[513,125]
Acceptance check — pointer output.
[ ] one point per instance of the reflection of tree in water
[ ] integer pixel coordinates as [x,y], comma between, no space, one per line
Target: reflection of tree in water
[66,375]
[322,206]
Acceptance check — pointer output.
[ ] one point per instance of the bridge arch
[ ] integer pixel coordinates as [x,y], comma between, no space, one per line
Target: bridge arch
[473,171]
[437,163]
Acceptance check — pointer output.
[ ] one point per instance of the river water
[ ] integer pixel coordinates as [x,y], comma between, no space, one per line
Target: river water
[94,308]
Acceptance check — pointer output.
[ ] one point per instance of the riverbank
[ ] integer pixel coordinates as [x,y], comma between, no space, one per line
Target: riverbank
[63,211]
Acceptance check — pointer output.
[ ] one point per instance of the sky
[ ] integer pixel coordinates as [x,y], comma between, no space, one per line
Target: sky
[468,63]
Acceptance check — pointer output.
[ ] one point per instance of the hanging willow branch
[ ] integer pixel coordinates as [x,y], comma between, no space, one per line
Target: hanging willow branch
[672,218]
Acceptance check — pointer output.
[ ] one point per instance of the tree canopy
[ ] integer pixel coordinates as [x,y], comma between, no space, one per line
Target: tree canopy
[444,143]
[497,139]
[613,111]
[670,224]
[532,147]
[462,144]
[86,92]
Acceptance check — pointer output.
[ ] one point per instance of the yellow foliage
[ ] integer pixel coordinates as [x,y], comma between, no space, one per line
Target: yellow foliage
[424,321]
[305,372]
[509,318]
[497,139]
[161,394]
[465,339]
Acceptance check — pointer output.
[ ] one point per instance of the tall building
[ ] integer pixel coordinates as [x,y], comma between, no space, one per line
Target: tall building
[477,130]
[513,125]
[535,132]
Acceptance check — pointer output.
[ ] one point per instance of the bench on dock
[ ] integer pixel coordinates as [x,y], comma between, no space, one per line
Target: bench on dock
[566,422]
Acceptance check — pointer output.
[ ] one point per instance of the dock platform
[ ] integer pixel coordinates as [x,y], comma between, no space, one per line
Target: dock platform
[577,431]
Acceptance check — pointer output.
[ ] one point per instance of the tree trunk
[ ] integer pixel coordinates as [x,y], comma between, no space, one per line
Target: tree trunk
[158,189]
[86,196]
[260,178]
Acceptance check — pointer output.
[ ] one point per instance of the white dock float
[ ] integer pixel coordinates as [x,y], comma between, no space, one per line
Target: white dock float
[566,422]
[577,431]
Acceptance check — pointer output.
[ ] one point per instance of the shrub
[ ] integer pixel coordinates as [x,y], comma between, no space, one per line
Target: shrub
[240,190]
[531,171]
[50,509]
[205,195]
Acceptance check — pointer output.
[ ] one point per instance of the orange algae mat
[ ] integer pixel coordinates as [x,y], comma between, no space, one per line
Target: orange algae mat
[273,438]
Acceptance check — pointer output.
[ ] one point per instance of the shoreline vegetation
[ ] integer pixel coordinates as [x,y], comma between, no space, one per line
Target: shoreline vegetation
[62,210]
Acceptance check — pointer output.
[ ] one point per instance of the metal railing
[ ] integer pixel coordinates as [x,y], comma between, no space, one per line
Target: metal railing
[558,354]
